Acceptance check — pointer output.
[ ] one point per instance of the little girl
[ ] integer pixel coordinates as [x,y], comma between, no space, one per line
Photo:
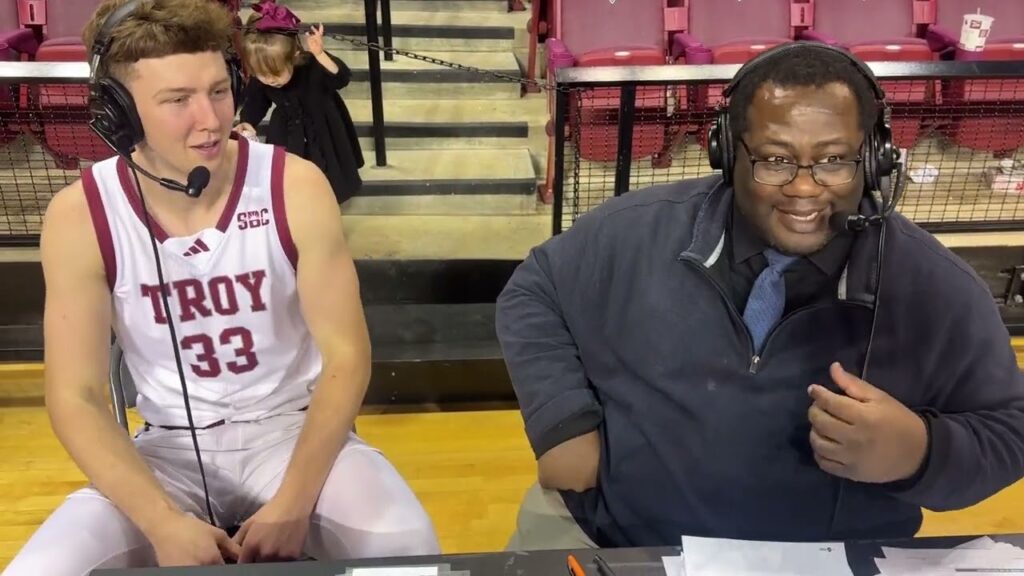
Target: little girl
[310,119]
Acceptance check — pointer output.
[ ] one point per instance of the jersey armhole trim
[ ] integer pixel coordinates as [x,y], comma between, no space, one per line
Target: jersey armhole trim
[277,204]
[101,225]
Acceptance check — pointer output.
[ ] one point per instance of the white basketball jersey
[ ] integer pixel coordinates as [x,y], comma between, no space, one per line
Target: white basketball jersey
[245,348]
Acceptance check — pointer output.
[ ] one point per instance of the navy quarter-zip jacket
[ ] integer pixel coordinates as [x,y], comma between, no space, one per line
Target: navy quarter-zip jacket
[617,325]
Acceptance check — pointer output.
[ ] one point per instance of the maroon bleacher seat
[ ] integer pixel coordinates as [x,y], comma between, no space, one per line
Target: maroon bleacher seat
[886,31]
[8,25]
[8,101]
[19,41]
[873,30]
[587,33]
[730,32]
[735,32]
[985,113]
[16,43]
[60,19]
[64,130]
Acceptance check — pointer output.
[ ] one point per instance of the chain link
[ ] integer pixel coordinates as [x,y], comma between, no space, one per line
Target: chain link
[453,65]
[577,121]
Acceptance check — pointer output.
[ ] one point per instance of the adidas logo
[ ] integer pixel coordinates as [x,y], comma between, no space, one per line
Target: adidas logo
[197,247]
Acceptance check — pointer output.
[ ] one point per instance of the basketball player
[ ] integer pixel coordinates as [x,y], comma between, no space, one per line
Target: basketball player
[265,304]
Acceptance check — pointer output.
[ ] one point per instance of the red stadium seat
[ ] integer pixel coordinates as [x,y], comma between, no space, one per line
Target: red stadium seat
[588,33]
[986,113]
[731,33]
[882,30]
[63,129]
[8,102]
[64,110]
[737,31]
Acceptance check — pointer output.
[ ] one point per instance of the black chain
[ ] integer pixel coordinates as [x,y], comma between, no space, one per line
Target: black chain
[453,65]
[576,122]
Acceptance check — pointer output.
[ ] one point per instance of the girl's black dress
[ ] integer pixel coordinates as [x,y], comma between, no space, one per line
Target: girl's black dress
[311,120]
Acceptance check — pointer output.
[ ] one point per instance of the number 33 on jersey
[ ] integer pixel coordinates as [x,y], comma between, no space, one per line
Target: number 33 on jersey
[223,296]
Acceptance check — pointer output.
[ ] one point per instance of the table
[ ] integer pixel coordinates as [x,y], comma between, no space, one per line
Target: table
[625,561]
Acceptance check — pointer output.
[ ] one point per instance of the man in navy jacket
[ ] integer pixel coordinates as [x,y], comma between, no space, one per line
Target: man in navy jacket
[655,406]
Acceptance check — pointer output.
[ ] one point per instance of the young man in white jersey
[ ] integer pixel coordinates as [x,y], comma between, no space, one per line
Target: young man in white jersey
[264,301]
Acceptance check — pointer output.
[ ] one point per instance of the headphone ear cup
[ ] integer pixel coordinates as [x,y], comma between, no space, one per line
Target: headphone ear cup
[715,144]
[880,155]
[885,152]
[728,150]
[871,179]
[720,145]
[885,159]
[237,80]
[113,115]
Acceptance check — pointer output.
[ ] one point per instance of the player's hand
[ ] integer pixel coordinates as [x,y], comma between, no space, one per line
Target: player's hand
[315,40]
[865,435]
[188,541]
[275,533]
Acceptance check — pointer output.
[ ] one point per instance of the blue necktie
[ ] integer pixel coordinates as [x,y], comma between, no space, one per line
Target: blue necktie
[767,298]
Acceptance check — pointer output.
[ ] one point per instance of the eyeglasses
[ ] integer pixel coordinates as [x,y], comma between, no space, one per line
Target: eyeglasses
[781,172]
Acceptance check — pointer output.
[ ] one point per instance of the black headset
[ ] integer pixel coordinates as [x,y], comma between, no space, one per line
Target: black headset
[880,155]
[111,107]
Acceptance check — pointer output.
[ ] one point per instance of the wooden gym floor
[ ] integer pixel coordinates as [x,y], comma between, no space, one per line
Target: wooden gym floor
[469,469]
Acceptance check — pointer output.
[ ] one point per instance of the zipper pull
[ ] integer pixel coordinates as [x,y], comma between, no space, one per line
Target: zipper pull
[754,361]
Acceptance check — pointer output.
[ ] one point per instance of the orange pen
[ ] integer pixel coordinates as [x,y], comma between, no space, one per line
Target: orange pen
[575,569]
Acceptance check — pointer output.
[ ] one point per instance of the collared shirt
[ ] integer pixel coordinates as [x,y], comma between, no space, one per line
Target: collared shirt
[811,279]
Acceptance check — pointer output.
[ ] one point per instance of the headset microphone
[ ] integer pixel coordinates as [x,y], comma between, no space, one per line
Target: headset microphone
[843,222]
[198,179]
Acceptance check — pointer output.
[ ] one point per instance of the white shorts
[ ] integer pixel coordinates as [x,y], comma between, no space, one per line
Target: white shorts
[365,508]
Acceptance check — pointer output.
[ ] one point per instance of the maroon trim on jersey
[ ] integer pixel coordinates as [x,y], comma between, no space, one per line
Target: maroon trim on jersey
[101,225]
[241,167]
[277,203]
[128,185]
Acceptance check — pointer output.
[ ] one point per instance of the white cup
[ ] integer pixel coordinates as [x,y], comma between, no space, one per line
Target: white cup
[974,32]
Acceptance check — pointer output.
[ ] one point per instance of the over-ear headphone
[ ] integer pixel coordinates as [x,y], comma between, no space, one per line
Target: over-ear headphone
[880,155]
[111,107]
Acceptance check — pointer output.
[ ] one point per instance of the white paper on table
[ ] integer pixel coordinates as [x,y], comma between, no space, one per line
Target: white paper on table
[395,571]
[714,557]
[903,567]
[981,557]
[907,567]
[983,543]
[998,555]
[674,565]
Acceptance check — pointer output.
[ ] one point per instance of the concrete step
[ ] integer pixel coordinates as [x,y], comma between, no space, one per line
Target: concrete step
[412,79]
[400,237]
[476,32]
[419,124]
[448,182]
[458,124]
[502,237]
[359,60]
[305,7]
[460,6]
[464,237]
[455,124]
